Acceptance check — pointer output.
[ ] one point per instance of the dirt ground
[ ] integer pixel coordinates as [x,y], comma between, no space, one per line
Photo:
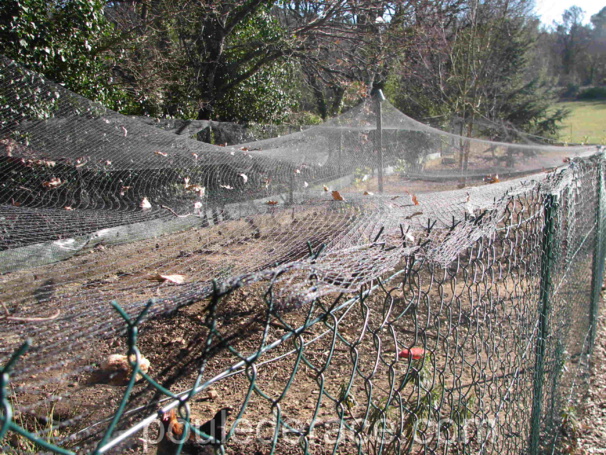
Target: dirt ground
[591,433]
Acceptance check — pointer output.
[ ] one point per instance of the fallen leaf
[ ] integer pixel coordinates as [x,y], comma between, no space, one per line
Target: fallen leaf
[176,279]
[46,163]
[337,196]
[15,203]
[297,171]
[52,183]
[108,163]
[326,188]
[195,155]
[67,207]
[244,177]
[145,204]
[368,193]
[272,202]
[491,179]
[413,199]
[413,215]
[227,187]
[412,353]
[244,149]
[124,189]
[125,132]
[116,370]
[158,152]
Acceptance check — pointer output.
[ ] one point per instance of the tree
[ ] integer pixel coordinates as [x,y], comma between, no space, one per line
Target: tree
[223,60]
[573,40]
[67,41]
[475,66]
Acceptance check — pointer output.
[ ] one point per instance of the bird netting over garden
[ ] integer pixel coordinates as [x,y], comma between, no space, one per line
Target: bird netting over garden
[318,283]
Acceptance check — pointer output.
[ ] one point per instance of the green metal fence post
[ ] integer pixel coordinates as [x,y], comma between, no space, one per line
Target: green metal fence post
[547,262]
[597,276]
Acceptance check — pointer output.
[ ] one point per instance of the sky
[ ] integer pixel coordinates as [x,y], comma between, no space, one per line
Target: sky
[550,10]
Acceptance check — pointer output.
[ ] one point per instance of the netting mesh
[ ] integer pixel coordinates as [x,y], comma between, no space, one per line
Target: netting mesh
[275,279]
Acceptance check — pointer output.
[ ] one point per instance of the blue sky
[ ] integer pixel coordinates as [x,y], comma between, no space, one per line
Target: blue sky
[550,10]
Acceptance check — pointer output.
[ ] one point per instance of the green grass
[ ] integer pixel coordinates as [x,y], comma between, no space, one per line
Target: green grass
[586,123]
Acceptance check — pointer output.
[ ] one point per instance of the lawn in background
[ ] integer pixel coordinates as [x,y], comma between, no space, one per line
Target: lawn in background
[586,123]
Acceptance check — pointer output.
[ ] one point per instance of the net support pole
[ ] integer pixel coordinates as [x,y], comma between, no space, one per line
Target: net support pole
[379,139]
[597,276]
[340,153]
[548,249]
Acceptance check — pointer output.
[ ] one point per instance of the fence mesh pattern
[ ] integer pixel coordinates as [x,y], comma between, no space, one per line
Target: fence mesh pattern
[160,294]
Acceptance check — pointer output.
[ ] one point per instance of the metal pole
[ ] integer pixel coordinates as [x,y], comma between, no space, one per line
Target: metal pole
[379,139]
[547,262]
[339,153]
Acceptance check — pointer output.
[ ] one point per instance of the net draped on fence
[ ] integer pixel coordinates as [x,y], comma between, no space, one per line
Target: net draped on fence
[276,279]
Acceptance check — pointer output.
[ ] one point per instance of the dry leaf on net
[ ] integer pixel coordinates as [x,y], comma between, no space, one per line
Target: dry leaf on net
[492,179]
[326,188]
[158,152]
[413,199]
[67,207]
[368,193]
[244,177]
[227,187]
[52,183]
[176,279]
[272,202]
[145,204]
[409,217]
[337,196]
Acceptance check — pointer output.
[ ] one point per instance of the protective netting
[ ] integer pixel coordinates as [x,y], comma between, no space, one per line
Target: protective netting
[283,288]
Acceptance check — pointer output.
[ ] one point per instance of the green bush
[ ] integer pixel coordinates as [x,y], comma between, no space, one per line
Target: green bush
[593,93]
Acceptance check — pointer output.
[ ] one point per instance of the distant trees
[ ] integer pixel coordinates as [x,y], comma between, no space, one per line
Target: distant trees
[578,50]
[475,66]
